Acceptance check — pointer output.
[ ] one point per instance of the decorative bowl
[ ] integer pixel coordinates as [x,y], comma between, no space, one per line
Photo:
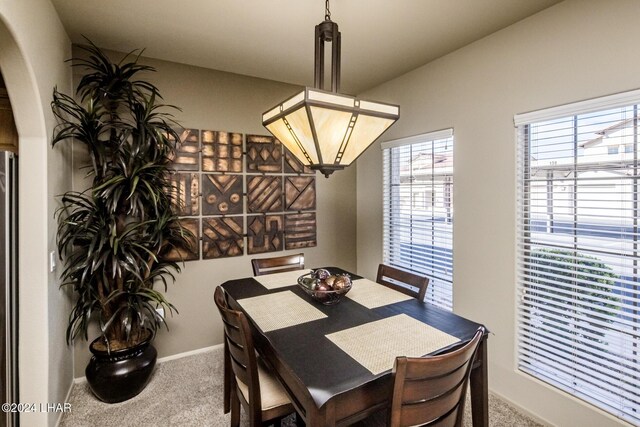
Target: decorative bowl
[320,291]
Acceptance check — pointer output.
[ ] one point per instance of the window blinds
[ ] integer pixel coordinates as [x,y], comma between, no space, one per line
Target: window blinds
[577,251]
[418,210]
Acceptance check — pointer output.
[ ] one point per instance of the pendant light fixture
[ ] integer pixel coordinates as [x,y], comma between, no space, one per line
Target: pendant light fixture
[326,130]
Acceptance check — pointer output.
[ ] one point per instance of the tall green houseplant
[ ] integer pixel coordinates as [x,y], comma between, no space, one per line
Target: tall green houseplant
[117,234]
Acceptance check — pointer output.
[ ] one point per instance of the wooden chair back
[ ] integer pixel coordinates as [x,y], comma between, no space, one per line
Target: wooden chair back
[241,352]
[403,281]
[431,390]
[279,264]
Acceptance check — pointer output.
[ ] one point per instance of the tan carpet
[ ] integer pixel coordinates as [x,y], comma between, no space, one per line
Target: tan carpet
[188,392]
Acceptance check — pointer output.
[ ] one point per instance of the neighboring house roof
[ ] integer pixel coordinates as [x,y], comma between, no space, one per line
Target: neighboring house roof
[425,161]
[607,132]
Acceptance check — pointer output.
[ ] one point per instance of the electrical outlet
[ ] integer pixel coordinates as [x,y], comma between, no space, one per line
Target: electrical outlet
[52,261]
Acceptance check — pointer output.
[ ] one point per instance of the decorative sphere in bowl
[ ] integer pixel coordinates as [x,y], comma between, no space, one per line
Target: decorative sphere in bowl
[326,289]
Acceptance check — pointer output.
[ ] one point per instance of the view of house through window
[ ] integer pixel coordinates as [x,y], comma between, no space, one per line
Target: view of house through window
[418,210]
[578,246]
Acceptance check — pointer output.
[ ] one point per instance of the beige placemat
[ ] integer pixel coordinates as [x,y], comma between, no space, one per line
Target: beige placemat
[280,310]
[280,280]
[376,345]
[371,294]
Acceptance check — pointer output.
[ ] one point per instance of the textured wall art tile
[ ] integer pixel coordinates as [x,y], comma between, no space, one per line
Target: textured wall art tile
[264,154]
[265,233]
[222,237]
[264,194]
[300,193]
[300,230]
[193,253]
[293,165]
[186,157]
[221,151]
[222,194]
[276,183]
[185,193]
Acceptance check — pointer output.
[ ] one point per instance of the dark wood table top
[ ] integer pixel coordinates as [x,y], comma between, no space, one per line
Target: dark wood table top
[322,367]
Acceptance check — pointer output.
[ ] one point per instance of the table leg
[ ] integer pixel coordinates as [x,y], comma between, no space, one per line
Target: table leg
[480,388]
[323,417]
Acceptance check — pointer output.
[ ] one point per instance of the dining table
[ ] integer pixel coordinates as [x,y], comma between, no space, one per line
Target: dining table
[335,361]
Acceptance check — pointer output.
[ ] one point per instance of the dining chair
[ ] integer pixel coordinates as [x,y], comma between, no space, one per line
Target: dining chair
[253,385]
[431,390]
[403,281]
[226,374]
[277,264]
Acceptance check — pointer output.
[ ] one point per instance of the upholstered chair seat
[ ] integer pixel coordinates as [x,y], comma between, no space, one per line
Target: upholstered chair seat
[272,393]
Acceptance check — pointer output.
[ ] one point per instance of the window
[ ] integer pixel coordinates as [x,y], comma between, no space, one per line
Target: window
[418,210]
[578,251]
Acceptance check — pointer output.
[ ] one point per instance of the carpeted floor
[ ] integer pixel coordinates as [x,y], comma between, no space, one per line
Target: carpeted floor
[188,392]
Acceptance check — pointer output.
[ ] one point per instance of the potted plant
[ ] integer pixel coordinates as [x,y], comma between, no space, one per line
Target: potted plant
[116,236]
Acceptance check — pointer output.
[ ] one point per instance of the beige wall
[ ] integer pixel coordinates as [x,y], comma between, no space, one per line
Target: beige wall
[222,101]
[575,50]
[33,47]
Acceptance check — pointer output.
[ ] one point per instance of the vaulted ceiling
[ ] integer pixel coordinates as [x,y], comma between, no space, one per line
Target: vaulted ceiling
[274,39]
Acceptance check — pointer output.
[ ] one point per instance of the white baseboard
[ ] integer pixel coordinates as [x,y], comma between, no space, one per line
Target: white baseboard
[189,353]
[520,409]
[81,380]
[66,399]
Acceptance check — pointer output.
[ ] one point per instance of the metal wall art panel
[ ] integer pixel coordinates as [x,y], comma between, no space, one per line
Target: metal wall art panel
[185,193]
[264,193]
[265,233]
[222,237]
[300,193]
[300,230]
[221,151]
[293,165]
[187,150]
[264,154]
[193,253]
[222,194]
[276,183]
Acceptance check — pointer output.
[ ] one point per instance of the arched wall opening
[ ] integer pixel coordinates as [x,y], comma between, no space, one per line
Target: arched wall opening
[33,347]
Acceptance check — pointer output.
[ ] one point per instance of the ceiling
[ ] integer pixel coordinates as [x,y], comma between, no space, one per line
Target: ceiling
[274,39]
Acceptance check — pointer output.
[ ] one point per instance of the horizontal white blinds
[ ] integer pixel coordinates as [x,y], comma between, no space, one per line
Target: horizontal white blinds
[418,212]
[578,260]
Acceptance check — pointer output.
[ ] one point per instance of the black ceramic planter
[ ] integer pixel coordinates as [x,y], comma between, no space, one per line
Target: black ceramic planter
[121,374]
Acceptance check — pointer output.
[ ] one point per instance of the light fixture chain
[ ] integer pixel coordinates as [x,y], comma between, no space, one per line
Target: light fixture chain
[320,113]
